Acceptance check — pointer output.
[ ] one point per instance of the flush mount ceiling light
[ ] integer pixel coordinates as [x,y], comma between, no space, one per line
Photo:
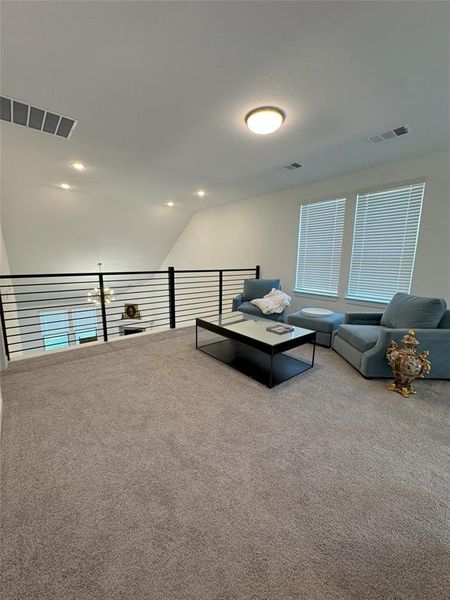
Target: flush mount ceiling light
[170,203]
[265,119]
[64,186]
[78,165]
[201,193]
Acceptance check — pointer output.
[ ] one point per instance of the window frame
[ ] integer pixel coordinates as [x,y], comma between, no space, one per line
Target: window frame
[75,329]
[58,332]
[329,295]
[69,330]
[351,299]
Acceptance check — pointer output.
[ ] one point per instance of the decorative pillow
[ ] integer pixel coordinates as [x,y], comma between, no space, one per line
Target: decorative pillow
[405,311]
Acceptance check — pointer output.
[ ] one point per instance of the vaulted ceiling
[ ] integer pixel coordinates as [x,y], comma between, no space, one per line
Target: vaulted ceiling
[160,90]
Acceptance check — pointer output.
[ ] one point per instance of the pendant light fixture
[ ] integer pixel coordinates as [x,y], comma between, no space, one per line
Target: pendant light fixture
[95,295]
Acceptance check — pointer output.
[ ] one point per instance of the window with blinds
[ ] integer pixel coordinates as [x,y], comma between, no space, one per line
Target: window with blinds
[384,242]
[320,232]
[55,329]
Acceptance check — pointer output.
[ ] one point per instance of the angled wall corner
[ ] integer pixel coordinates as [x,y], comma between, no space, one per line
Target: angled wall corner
[165,263]
[4,269]
[72,232]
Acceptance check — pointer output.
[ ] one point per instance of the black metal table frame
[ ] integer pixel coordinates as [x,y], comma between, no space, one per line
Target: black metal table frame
[267,349]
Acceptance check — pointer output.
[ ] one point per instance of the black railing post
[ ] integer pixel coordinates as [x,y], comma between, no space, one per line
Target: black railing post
[2,320]
[220,291]
[172,320]
[257,271]
[103,307]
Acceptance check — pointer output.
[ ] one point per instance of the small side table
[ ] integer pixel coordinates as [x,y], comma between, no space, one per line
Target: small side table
[130,326]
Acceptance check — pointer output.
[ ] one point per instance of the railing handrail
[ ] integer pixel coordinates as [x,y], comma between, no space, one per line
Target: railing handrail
[182,293]
[211,270]
[95,273]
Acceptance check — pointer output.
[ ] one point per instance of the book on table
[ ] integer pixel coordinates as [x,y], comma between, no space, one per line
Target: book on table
[280,329]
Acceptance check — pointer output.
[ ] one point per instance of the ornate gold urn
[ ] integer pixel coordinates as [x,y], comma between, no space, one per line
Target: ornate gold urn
[407,364]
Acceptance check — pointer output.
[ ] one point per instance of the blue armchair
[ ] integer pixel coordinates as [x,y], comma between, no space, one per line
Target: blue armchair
[256,288]
[363,338]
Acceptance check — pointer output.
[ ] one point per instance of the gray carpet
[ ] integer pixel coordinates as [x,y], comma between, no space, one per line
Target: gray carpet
[145,469]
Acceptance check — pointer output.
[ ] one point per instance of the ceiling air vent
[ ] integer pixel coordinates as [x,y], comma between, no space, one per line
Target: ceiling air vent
[41,119]
[291,167]
[388,135]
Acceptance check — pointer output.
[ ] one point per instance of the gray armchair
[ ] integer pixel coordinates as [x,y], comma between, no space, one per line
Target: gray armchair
[256,288]
[363,338]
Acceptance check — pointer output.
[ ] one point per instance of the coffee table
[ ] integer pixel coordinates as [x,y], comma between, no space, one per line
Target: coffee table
[249,348]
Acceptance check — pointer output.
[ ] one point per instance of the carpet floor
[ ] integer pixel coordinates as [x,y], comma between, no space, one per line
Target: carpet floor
[144,469]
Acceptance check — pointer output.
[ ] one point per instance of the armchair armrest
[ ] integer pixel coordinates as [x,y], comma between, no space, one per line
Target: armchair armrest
[237,301]
[437,341]
[428,339]
[372,318]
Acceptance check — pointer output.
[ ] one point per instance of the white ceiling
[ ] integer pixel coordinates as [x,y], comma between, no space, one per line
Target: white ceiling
[160,90]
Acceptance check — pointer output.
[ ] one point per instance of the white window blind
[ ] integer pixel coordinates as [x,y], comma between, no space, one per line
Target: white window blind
[384,242]
[320,233]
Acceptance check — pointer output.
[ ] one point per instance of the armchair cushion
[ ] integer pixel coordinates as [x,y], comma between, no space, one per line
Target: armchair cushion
[251,309]
[437,341]
[406,311]
[258,288]
[361,337]
[237,301]
[369,318]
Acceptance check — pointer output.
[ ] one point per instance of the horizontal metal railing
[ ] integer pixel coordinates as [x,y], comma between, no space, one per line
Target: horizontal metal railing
[56,310]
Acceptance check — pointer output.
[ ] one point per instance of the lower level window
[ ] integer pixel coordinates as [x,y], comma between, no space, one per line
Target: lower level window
[60,341]
[84,323]
[60,328]
[55,329]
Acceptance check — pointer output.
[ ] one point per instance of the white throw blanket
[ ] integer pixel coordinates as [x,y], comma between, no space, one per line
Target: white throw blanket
[273,302]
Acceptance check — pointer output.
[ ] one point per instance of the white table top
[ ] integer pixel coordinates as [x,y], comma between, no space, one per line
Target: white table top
[316,312]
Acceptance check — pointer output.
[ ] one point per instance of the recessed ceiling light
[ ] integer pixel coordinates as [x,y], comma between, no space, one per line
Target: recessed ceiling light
[78,166]
[170,203]
[65,186]
[201,193]
[264,120]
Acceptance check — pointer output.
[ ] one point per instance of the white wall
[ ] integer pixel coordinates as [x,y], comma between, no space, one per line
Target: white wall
[263,230]
[51,230]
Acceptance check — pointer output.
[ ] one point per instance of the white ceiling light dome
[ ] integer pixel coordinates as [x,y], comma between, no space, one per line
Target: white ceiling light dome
[264,120]
[79,166]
